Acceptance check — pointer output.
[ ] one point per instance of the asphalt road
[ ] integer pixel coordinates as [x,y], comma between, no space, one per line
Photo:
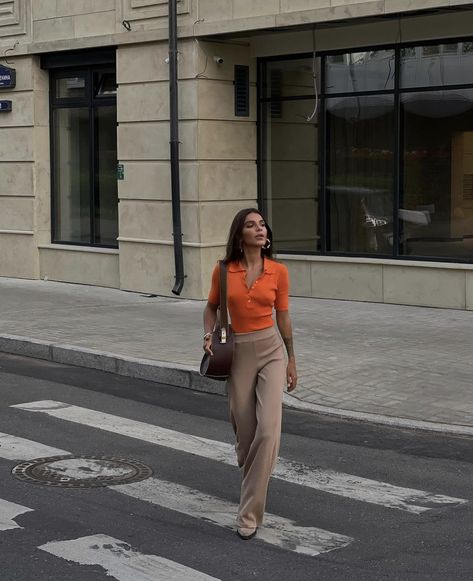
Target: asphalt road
[351,501]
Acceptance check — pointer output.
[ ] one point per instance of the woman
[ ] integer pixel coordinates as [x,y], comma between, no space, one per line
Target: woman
[255,284]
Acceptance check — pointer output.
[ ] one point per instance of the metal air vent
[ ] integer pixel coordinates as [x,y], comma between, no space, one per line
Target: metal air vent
[242,91]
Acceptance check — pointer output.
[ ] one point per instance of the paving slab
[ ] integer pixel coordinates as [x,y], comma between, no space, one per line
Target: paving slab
[386,363]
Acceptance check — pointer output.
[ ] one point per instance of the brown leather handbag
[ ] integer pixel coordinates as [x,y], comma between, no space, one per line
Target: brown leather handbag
[218,365]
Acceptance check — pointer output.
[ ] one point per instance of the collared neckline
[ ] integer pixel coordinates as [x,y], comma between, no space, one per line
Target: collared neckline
[268,266]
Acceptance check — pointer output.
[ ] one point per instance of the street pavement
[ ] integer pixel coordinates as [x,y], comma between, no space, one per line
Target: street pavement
[409,366]
[348,500]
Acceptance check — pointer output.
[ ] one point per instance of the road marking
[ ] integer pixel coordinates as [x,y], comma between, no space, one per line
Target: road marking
[276,530]
[8,512]
[14,448]
[329,481]
[121,561]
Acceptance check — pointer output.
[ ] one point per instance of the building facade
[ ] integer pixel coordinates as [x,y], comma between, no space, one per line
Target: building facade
[348,122]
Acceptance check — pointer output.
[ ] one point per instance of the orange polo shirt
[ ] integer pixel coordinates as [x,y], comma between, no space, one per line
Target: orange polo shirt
[251,309]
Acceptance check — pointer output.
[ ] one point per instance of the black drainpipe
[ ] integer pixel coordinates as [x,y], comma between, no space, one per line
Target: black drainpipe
[174,114]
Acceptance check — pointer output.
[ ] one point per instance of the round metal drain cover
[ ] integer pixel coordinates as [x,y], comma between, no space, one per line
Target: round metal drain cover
[81,471]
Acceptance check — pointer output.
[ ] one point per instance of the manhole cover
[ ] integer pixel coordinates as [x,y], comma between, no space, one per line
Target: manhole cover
[81,471]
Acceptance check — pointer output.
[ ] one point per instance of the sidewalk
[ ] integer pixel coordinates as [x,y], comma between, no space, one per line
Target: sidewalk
[385,363]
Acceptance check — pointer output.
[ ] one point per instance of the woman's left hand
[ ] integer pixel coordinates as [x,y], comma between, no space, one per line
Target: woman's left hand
[291,374]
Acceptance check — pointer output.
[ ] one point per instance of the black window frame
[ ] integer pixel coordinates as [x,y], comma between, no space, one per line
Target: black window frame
[92,102]
[323,198]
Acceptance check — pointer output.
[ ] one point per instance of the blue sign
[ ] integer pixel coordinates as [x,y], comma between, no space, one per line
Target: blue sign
[7,77]
[5,106]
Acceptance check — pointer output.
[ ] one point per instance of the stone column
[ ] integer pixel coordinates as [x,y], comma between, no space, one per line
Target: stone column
[24,171]
[218,169]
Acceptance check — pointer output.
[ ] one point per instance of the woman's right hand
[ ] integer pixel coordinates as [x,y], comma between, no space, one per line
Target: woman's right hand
[208,345]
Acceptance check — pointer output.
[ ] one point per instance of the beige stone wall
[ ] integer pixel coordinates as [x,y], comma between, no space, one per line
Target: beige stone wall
[377,280]
[245,15]
[218,162]
[64,19]
[218,150]
[24,159]
[83,265]
[45,25]
[25,191]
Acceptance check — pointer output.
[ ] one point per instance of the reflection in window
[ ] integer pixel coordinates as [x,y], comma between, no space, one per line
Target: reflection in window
[436,216]
[70,87]
[430,50]
[72,174]
[289,78]
[106,207]
[467,47]
[360,71]
[291,170]
[436,65]
[360,173]
[361,160]
[105,84]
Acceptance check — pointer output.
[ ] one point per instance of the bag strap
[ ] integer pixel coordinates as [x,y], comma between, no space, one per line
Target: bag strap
[223,303]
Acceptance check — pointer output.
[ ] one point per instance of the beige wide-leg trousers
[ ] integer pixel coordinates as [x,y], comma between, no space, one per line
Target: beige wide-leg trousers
[255,390]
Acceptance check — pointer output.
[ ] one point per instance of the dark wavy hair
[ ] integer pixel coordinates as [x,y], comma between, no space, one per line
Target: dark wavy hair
[233,252]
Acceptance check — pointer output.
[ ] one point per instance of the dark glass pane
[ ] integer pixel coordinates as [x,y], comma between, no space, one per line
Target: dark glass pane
[360,71]
[291,78]
[105,84]
[360,173]
[437,65]
[71,87]
[436,214]
[72,175]
[291,169]
[106,209]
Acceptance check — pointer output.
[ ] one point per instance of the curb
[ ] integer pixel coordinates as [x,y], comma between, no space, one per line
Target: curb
[188,377]
[173,374]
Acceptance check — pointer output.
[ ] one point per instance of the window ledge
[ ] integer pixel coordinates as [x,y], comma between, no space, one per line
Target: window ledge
[376,261]
[72,248]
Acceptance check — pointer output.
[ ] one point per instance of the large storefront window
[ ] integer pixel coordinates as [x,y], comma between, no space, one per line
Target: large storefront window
[390,148]
[84,137]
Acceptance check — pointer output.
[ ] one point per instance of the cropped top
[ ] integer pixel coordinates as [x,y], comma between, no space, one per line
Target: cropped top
[251,308]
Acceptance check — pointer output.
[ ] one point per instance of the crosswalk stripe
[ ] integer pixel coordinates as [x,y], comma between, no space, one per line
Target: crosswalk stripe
[8,512]
[15,448]
[329,481]
[121,561]
[277,530]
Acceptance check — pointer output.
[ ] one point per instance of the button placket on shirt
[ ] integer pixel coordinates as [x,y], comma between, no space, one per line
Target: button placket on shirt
[250,298]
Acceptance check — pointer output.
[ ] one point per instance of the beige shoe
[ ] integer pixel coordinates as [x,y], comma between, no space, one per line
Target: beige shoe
[246,534]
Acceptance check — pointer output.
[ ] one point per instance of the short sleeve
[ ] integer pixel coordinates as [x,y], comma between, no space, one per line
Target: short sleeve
[214,294]
[282,294]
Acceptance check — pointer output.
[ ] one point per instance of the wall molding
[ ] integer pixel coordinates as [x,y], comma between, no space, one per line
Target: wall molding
[133,10]
[13,18]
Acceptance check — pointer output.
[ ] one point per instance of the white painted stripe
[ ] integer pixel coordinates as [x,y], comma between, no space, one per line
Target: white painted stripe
[276,530]
[121,561]
[14,448]
[329,481]
[8,512]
